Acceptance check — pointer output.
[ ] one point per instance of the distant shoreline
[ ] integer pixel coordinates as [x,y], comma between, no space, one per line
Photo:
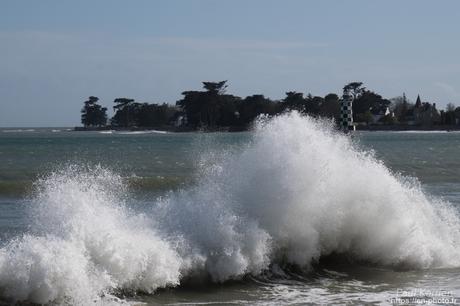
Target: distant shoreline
[407,128]
[243,129]
[171,129]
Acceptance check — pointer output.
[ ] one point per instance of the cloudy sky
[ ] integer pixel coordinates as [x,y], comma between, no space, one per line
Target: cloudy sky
[54,54]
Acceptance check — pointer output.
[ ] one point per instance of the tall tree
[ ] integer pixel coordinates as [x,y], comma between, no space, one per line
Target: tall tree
[369,101]
[330,107]
[313,104]
[210,108]
[217,88]
[191,104]
[355,89]
[125,112]
[450,107]
[154,115]
[449,115]
[294,101]
[93,114]
[401,107]
[253,106]
[211,100]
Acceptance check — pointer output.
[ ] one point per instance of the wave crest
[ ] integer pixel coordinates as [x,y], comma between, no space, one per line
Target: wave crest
[85,244]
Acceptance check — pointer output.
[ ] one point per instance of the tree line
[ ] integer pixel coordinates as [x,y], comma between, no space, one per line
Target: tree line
[213,108]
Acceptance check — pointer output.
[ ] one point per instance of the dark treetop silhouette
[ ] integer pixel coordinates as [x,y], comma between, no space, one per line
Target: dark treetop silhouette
[214,109]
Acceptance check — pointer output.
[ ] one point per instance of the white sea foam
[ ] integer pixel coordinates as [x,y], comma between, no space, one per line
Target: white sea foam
[300,191]
[296,192]
[84,244]
[133,132]
[143,132]
[314,193]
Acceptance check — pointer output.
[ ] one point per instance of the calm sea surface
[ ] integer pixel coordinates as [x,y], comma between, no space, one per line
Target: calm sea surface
[154,164]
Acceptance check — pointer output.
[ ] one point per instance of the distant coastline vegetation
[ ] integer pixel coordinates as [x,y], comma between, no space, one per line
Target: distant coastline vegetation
[213,109]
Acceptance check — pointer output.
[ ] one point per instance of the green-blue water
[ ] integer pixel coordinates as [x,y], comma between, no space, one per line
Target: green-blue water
[153,164]
[157,161]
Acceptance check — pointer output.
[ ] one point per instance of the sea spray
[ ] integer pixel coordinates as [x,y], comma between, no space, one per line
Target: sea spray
[296,192]
[85,244]
[300,191]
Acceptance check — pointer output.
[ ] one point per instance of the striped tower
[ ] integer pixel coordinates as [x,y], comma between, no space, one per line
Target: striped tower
[346,114]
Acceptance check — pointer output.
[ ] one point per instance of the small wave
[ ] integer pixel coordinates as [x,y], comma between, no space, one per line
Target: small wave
[143,132]
[133,132]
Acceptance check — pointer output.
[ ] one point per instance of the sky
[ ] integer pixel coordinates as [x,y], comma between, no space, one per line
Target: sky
[56,53]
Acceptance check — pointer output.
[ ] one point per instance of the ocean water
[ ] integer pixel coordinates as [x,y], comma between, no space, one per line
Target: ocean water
[289,213]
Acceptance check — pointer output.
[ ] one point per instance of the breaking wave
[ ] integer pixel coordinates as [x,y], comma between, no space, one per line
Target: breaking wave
[297,192]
